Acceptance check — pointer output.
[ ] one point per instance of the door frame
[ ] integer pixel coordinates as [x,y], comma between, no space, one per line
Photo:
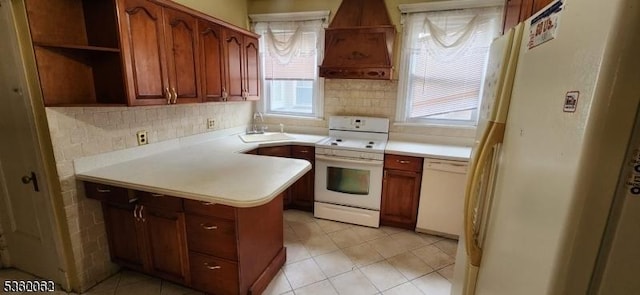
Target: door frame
[46,162]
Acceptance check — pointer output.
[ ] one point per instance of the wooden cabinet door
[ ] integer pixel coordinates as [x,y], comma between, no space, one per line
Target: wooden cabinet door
[279,151]
[211,61]
[512,9]
[539,5]
[143,52]
[302,191]
[234,68]
[252,68]
[180,30]
[283,151]
[123,235]
[400,196]
[166,243]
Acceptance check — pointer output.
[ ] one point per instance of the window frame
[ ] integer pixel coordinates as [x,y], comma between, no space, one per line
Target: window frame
[317,105]
[403,106]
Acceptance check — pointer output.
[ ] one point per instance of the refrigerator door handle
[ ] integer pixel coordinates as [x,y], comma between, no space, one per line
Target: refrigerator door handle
[494,136]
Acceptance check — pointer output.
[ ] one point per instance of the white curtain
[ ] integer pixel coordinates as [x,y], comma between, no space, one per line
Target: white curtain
[285,40]
[447,35]
[447,53]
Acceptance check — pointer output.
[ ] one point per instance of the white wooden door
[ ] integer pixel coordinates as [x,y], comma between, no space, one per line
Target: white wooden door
[26,212]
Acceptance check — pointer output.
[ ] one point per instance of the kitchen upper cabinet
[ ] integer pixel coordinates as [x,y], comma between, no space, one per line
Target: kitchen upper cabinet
[211,61]
[241,67]
[401,191]
[144,56]
[182,55]
[138,52]
[234,67]
[77,52]
[160,53]
[516,11]
[252,69]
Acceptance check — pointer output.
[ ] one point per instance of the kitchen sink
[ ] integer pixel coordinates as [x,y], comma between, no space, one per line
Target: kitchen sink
[267,136]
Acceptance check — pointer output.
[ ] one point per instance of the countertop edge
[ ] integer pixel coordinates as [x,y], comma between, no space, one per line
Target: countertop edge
[198,197]
[426,155]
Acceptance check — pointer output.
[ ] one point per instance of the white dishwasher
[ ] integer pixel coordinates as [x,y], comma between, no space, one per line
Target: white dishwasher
[441,208]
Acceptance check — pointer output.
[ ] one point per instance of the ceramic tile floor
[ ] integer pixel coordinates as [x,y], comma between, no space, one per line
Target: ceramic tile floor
[326,257]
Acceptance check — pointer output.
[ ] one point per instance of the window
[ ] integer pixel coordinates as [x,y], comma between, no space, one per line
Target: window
[444,58]
[291,49]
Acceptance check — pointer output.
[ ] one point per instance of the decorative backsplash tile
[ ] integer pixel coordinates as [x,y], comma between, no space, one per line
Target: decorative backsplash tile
[375,98]
[78,132]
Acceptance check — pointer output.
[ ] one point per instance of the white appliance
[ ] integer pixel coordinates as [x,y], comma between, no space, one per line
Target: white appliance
[552,204]
[348,182]
[440,210]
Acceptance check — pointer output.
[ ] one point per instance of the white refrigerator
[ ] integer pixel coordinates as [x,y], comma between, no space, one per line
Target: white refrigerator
[553,190]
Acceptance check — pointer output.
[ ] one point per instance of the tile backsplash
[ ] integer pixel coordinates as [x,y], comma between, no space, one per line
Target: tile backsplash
[77,132]
[375,98]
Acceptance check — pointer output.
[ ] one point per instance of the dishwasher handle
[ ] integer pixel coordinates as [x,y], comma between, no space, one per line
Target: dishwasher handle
[451,167]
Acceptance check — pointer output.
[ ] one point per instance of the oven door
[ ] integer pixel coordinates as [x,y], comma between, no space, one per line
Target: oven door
[350,182]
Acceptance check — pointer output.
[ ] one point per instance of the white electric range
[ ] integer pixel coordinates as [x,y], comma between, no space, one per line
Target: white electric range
[349,166]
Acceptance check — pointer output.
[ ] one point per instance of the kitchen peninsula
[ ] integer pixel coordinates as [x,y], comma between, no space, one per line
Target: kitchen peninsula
[200,215]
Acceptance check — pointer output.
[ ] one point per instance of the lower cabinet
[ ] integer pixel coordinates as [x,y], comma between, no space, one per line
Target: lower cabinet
[147,238]
[234,250]
[301,194]
[166,245]
[214,248]
[302,191]
[401,191]
[122,232]
[283,151]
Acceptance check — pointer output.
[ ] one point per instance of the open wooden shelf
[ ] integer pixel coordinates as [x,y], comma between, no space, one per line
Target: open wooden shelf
[76,47]
[77,50]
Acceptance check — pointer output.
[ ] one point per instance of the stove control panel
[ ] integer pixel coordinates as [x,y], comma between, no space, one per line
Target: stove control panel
[349,154]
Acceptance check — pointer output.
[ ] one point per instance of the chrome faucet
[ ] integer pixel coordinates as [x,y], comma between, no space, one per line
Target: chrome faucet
[255,129]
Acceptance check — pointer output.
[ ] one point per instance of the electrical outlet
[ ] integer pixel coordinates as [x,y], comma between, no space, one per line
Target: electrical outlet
[211,123]
[142,137]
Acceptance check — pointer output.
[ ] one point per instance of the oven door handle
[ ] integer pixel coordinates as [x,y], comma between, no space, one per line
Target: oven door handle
[353,161]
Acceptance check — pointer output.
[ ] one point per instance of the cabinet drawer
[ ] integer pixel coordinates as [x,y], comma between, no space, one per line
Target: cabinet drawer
[107,193]
[210,209]
[159,201]
[275,151]
[213,236]
[303,152]
[213,275]
[404,163]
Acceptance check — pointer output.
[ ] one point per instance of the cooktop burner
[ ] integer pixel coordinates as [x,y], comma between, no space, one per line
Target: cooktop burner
[366,134]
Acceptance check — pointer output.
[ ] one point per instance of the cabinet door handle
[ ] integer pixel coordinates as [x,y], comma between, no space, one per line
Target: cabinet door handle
[206,264]
[208,227]
[135,214]
[208,203]
[168,95]
[157,195]
[224,93]
[175,95]
[103,190]
[403,161]
[304,151]
[141,213]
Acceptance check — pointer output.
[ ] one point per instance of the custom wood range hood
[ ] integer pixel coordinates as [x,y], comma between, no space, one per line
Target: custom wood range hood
[359,42]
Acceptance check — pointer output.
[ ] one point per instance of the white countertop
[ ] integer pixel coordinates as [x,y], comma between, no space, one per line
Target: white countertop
[425,150]
[216,170]
[213,171]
